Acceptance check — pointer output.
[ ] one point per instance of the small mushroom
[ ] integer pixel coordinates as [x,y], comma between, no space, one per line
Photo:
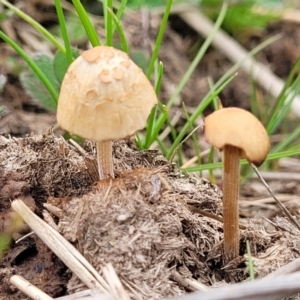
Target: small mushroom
[239,134]
[104,97]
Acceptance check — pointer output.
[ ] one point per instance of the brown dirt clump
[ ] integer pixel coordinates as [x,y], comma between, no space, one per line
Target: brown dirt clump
[144,229]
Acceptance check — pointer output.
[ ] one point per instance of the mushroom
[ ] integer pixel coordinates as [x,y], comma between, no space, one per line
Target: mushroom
[104,97]
[239,134]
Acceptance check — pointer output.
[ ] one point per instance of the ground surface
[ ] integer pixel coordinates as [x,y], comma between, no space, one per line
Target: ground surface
[21,116]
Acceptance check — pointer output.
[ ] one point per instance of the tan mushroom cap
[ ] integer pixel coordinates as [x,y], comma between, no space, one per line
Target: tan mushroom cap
[239,128]
[104,96]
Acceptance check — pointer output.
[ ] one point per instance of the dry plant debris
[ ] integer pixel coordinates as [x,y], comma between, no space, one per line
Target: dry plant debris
[141,222]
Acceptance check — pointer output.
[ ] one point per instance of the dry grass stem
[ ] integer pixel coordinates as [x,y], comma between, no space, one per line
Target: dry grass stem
[28,289]
[188,283]
[209,215]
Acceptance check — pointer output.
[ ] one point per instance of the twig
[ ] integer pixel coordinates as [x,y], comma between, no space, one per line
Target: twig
[24,237]
[281,205]
[28,289]
[210,215]
[190,284]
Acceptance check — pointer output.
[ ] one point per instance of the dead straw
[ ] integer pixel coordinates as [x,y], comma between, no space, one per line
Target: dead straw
[28,289]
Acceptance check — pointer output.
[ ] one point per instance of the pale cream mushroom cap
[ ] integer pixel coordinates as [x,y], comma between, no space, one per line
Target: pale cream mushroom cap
[104,96]
[239,128]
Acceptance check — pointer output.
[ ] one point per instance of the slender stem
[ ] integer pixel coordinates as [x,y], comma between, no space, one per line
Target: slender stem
[162,28]
[63,30]
[108,22]
[104,159]
[230,202]
[87,23]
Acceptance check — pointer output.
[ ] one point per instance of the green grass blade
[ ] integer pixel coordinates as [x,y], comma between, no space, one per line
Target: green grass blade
[121,9]
[162,146]
[287,141]
[282,97]
[285,108]
[150,126]
[35,25]
[119,27]
[219,165]
[159,38]
[63,29]
[151,121]
[160,122]
[138,141]
[107,5]
[53,92]
[159,77]
[87,24]
[250,261]
[216,100]
[194,138]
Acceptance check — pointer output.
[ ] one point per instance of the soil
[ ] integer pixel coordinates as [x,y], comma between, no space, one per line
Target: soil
[157,227]
[150,202]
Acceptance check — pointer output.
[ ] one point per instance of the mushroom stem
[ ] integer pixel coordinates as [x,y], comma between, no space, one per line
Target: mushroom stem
[231,178]
[104,159]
